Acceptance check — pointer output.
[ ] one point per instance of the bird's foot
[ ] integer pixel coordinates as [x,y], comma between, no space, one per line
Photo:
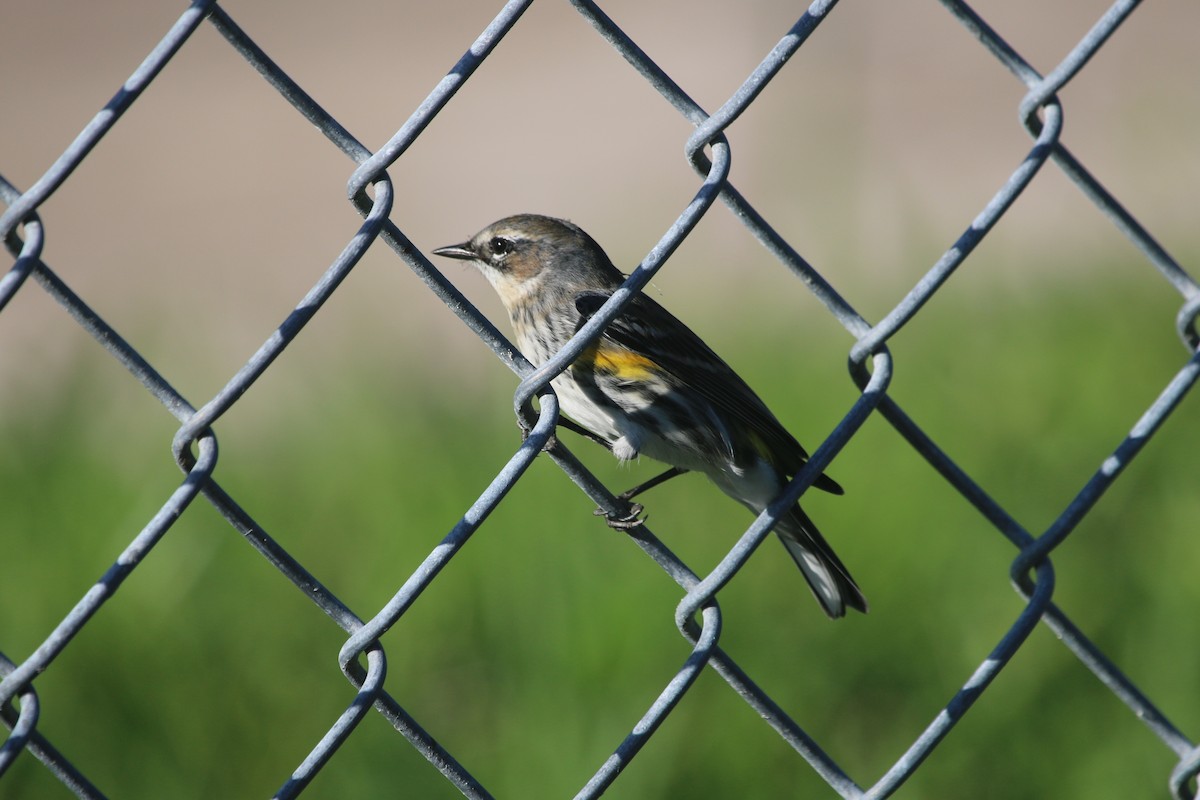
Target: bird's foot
[631,519]
[549,446]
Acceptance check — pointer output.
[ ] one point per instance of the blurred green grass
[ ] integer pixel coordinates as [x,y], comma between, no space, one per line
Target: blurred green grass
[545,640]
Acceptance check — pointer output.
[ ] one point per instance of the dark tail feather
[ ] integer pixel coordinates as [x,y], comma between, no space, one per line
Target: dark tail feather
[827,576]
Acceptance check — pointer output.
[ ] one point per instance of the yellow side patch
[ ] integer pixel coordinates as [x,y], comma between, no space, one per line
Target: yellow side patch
[617,361]
[760,446]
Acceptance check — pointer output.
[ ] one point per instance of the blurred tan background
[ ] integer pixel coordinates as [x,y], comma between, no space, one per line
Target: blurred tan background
[212,206]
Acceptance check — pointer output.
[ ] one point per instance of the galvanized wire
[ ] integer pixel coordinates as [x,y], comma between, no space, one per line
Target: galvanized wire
[698,615]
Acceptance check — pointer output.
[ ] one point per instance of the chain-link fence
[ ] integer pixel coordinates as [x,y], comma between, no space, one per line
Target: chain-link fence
[698,615]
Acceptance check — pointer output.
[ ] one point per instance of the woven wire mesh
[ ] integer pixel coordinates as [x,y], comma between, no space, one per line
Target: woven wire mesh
[698,615]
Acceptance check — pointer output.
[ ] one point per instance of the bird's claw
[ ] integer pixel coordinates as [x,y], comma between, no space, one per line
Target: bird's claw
[631,519]
[550,444]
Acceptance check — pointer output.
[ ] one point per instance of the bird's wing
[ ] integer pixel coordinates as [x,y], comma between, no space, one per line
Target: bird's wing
[646,328]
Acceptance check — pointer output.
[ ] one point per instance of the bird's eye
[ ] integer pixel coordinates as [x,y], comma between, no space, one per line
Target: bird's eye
[500,246]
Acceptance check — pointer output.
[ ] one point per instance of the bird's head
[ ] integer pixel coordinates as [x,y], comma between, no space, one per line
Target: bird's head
[519,254]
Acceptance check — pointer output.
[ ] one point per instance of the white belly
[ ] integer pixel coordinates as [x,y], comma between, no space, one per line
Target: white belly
[630,439]
[626,437]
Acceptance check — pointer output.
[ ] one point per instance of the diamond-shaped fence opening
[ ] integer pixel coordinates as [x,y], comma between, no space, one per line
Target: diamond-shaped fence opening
[892,694]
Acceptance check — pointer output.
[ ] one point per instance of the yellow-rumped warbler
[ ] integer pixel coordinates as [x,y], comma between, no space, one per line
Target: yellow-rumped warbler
[650,386]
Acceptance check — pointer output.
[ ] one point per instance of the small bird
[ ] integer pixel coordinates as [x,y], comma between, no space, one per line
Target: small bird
[649,385]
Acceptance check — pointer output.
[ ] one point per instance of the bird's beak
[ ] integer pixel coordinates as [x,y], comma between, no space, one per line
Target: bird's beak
[460,251]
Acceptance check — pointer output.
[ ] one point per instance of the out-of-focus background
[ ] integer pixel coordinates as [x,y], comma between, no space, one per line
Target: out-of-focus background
[207,213]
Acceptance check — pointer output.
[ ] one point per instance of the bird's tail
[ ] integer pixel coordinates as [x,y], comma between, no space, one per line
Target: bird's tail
[826,574]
